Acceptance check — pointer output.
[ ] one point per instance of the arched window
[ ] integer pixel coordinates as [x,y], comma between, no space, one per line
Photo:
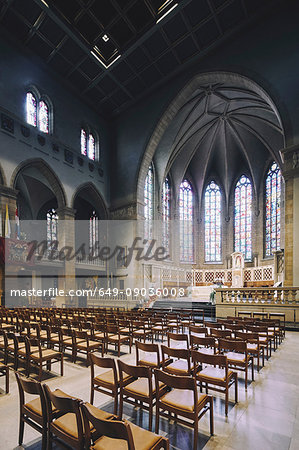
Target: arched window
[273,194]
[186,222]
[243,217]
[149,203]
[213,223]
[31,109]
[88,144]
[43,117]
[166,215]
[52,225]
[83,142]
[93,230]
[91,147]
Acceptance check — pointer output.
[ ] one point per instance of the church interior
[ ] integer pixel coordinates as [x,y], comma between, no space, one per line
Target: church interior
[149,216]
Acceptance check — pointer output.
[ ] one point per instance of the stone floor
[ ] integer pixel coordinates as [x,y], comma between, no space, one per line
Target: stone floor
[266,417]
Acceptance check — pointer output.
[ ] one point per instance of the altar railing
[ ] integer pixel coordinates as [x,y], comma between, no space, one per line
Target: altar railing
[262,296]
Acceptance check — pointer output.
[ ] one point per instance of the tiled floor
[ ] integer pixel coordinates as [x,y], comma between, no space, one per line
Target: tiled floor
[266,417]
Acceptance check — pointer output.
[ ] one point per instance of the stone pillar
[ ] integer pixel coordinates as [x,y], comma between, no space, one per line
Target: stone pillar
[8,196]
[66,238]
[291,251]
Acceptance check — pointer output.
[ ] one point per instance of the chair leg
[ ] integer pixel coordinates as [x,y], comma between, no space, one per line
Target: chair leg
[211,417]
[252,369]
[226,400]
[7,380]
[121,404]
[236,387]
[157,420]
[61,364]
[21,431]
[115,402]
[91,394]
[150,420]
[246,376]
[195,437]
[40,372]
[44,437]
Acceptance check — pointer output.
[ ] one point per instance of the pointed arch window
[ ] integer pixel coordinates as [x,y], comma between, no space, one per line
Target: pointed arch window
[52,225]
[88,143]
[186,212]
[243,217]
[149,203]
[31,109]
[93,230]
[43,117]
[166,215]
[213,223]
[272,213]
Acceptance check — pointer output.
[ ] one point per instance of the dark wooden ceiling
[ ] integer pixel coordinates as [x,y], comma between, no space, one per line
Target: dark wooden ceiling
[65,32]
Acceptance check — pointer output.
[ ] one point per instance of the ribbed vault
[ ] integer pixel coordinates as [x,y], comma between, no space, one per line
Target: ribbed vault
[226,126]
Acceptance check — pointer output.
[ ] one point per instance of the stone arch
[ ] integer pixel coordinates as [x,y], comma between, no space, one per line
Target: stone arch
[2,177]
[95,196]
[48,173]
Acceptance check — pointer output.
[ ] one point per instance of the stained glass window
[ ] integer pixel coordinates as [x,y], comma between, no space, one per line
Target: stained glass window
[91,147]
[166,215]
[31,109]
[93,230]
[149,203]
[186,222]
[83,142]
[243,217]
[43,117]
[213,223]
[52,225]
[273,194]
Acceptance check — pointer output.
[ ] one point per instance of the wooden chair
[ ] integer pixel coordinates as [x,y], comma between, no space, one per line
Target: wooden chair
[34,412]
[68,427]
[216,376]
[41,356]
[225,334]
[120,434]
[196,330]
[253,345]
[176,361]
[175,340]
[182,399]
[140,331]
[105,382]
[4,371]
[83,344]
[115,337]
[148,355]
[237,356]
[139,388]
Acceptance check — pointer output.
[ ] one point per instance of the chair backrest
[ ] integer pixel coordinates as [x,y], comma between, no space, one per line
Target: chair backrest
[148,348]
[232,345]
[208,341]
[32,387]
[182,338]
[135,372]
[203,358]
[196,330]
[104,363]
[220,333]
[115,429]
[178,353]
[175,382]
[65,405]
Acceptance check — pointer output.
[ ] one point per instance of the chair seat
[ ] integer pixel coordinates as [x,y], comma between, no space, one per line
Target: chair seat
[35,405]
[141,387]
[235,357]
[91,344]
[46,354]
[182,399]
[179,366]
[108,378]
[141,332]
[116,338]
[22,350]
[143,440]
[206,350]
[252,347]
[214,374]
[68,423]
[149,359]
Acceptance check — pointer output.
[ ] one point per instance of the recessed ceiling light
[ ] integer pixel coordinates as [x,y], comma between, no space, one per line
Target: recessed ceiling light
[105,38]
[167,12]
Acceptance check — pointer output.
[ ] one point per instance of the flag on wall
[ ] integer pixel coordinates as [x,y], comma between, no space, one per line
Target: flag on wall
[17,224]
[7,224]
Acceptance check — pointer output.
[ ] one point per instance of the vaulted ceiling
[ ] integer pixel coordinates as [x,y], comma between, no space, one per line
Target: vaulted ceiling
[113,52]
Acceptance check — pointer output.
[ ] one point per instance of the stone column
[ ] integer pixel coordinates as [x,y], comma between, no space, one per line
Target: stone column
[291,175]
[66,238]
[8,196]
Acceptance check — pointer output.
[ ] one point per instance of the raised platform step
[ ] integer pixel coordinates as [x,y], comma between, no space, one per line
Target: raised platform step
[171,305]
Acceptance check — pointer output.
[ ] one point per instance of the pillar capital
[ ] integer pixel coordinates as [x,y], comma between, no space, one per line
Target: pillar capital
[66,213]
[291,162]
[8,192]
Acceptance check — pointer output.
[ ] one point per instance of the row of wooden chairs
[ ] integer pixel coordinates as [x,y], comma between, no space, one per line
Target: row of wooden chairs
[59,416]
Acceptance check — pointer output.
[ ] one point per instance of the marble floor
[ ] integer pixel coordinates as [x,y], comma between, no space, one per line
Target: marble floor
[266,417]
